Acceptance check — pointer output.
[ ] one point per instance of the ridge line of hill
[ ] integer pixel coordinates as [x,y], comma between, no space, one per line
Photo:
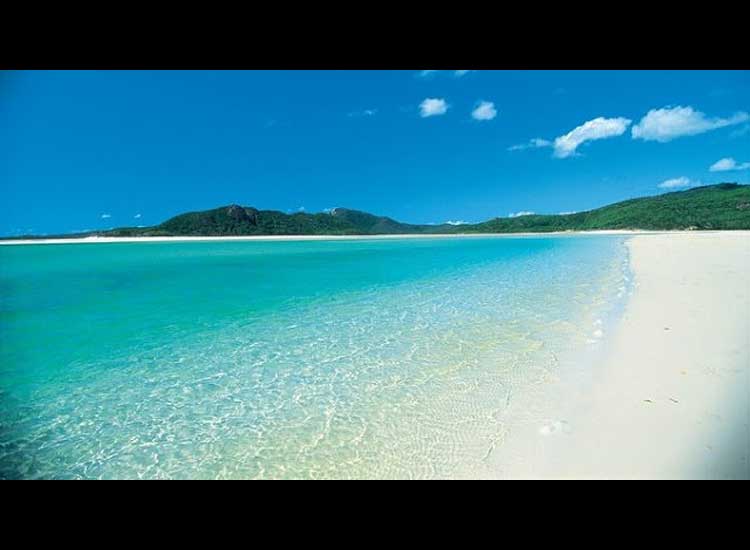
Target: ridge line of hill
[724,206]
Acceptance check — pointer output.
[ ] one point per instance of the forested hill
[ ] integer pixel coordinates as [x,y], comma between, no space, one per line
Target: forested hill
[721,206]
[237,220]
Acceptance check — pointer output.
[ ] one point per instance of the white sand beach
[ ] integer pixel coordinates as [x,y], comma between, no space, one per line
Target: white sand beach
[672,398]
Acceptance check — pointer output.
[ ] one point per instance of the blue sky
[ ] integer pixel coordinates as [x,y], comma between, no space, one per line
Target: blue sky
[99,149]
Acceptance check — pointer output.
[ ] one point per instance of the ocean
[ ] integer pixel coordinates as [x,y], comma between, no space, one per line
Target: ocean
[373,358]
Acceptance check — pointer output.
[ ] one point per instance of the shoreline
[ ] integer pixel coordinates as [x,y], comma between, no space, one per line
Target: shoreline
[669,398]
[281,238]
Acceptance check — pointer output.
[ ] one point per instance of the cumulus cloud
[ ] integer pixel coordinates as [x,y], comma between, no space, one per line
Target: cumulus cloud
[678,182]
[432,107]
[534,143]
[521,213]
[728,164]
[137,216]
[484,111]
[568,213]
[106,216]
[456,222]
[668,123]
[598,128]
[459,74]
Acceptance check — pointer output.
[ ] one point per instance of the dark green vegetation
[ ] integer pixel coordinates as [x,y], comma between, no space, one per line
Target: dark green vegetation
[721,206]
[238,220]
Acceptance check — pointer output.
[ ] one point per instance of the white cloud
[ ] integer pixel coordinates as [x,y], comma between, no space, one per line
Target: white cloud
[568,213]
[433,107]
[678,182]
[598,128]
[364,112]
[137,216]
[534,143]
[457,222]
[484,111]
[668,123]
[106,216]
[521,213]
[432,72]
[727,164]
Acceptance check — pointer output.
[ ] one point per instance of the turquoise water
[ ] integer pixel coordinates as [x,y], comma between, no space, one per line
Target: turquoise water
[372,358]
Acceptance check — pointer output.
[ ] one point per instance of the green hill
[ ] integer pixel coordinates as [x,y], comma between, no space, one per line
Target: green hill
[370,224]
[237,220]
[721,206]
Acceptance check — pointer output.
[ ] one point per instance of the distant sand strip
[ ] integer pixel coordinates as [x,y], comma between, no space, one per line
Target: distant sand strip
[95,240]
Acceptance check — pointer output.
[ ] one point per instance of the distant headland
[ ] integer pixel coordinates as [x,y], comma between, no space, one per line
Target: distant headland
[724,206]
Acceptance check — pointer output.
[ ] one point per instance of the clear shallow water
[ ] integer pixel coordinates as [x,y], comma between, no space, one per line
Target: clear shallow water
[378,358]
